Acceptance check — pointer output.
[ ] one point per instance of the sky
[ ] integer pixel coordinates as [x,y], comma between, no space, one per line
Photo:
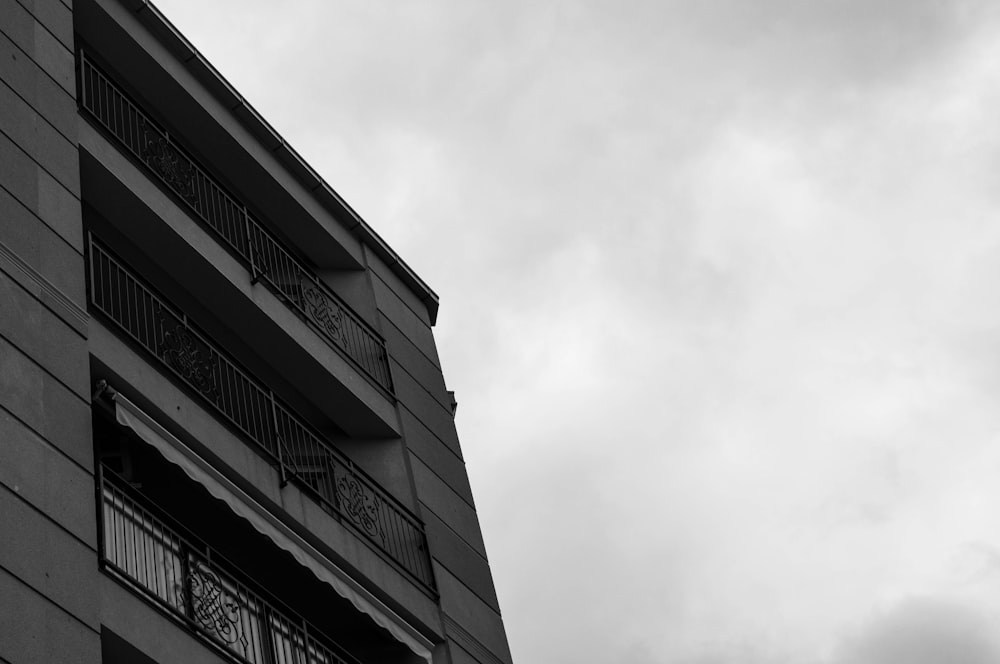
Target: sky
[719,300]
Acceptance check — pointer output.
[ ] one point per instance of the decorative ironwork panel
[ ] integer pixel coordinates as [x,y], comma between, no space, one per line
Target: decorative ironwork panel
[325,312]
[214,607]
[188,356]
[361,505]
[174,169]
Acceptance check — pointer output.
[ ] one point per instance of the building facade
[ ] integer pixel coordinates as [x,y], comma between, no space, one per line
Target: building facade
[224,431]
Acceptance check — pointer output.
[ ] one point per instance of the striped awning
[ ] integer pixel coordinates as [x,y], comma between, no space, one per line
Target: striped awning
[265,522]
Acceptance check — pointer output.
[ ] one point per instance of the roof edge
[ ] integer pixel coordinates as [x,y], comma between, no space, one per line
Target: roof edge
[313,182]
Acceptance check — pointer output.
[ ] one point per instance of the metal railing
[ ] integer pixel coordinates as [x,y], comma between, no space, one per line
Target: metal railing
[267,258]
[143,546]
[252,408]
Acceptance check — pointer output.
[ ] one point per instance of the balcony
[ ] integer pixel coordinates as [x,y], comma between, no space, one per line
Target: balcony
[181,350]
[267,259]
[143,547]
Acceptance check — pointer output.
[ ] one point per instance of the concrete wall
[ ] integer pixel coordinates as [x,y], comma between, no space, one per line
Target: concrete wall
[48,557]
[468,601]
[149,630]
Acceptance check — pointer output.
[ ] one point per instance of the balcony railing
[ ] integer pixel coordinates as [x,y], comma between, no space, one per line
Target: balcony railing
[247,404]
[145,548]
[266,257]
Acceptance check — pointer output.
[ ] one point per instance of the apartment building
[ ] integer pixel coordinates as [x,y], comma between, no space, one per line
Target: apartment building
[224,431]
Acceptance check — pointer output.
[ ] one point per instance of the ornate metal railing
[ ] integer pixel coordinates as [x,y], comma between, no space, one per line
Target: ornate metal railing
[247,404]
[266,257]
[145,548]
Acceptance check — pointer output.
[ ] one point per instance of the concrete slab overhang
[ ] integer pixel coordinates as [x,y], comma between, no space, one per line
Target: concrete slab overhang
[206,278]
[176,411]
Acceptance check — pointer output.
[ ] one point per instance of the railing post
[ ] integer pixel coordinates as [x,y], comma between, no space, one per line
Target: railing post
[186,583]
[90,266]
[281,463]
[268,642]
[81,90]
[305,641]
[277,440]
[159,331]
[254,277]
[101,525]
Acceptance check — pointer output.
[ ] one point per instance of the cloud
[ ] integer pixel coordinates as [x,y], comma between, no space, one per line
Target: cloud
[860,43]
[924,631]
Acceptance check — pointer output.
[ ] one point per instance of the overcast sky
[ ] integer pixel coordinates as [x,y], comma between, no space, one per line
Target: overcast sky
[720,300]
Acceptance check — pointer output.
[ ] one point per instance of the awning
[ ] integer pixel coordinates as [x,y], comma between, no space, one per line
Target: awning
[199,470]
